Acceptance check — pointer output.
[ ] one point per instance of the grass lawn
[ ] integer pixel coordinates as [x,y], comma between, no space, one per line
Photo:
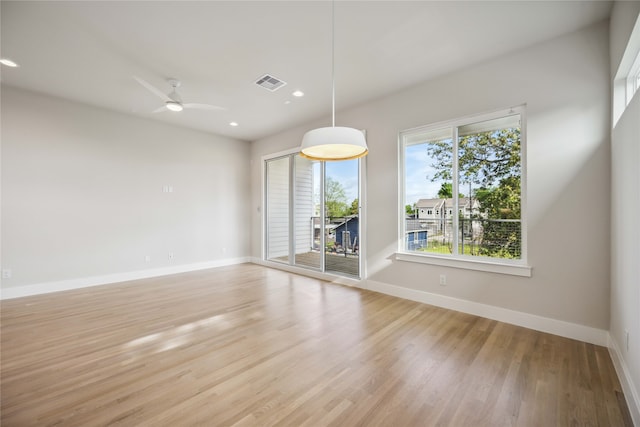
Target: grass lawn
[436,246]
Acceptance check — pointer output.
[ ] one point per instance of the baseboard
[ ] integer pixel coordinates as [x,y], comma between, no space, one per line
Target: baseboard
[630,392]
[531,321]
[84,282]
[526,320]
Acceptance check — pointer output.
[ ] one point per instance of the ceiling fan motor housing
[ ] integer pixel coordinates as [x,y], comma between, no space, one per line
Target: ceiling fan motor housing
[175,84]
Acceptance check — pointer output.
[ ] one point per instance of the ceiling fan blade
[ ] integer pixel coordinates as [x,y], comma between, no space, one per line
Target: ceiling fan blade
[161,109]
[152,89]
[203,106]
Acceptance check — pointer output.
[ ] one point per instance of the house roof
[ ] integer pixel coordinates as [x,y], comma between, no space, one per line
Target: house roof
[438,203]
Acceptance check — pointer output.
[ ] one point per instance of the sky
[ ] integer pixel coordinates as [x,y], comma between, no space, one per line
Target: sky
[418,174]
[346,173]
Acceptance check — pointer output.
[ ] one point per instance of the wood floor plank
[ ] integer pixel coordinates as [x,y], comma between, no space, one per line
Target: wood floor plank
[247,345]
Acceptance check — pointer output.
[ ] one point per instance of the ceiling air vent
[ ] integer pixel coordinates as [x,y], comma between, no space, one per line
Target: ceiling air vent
[270,83]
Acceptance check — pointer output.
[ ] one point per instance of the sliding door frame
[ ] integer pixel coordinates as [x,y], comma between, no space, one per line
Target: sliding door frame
[290,265]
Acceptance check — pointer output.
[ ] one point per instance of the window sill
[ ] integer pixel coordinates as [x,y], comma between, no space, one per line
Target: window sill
[468,264]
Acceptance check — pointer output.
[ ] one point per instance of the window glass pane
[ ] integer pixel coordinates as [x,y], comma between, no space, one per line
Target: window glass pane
[428,195]
[342,223]
[489,177]
[278,209]
[307,226]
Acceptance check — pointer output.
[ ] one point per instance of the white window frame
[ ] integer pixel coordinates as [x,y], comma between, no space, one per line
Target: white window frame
[626,82]
[633,79]
[496,265]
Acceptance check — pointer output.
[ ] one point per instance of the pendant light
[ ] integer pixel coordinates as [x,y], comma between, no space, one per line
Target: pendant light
[335,142]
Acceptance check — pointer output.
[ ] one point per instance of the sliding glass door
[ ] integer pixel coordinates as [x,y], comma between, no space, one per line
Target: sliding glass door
[313,214]
[306,212]
[342,217]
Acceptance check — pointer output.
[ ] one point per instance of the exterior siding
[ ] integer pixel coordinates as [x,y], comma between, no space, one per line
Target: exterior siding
[304,208]
[278,208]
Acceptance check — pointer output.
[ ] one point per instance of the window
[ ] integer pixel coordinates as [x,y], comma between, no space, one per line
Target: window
[480,160]
[633,79]
[626,83]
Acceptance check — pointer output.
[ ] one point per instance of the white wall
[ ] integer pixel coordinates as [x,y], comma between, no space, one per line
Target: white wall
[565,84]
[82,192]
[624,16]
[625,217]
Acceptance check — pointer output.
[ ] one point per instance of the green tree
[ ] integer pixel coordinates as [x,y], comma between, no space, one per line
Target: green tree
[446,191]
[335,198]
[353,209]
[501,238]
[410,209]
[502,201]
[490,161]
[484,158]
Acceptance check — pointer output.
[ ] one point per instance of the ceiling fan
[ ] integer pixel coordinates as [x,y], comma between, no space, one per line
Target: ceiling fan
[173,100]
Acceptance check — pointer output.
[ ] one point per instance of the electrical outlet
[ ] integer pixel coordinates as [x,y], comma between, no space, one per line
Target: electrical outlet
[170,256]
[147,258]
[6,273]
[443,280]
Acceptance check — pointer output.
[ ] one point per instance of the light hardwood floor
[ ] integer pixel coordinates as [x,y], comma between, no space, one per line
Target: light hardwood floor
[251,346]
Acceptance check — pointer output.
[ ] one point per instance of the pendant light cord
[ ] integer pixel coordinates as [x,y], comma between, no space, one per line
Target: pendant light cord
[333,63]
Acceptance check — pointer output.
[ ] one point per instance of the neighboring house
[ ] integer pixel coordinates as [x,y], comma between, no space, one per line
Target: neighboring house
[415,234]
[443,208]
[434,219]
[343,231]
[347,233]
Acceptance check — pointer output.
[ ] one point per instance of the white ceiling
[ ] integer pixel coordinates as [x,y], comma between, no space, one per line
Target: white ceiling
[90,51]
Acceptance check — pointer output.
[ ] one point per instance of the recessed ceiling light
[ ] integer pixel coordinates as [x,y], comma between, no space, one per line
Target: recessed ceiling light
[233,124]
[298,93]
[8,62]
